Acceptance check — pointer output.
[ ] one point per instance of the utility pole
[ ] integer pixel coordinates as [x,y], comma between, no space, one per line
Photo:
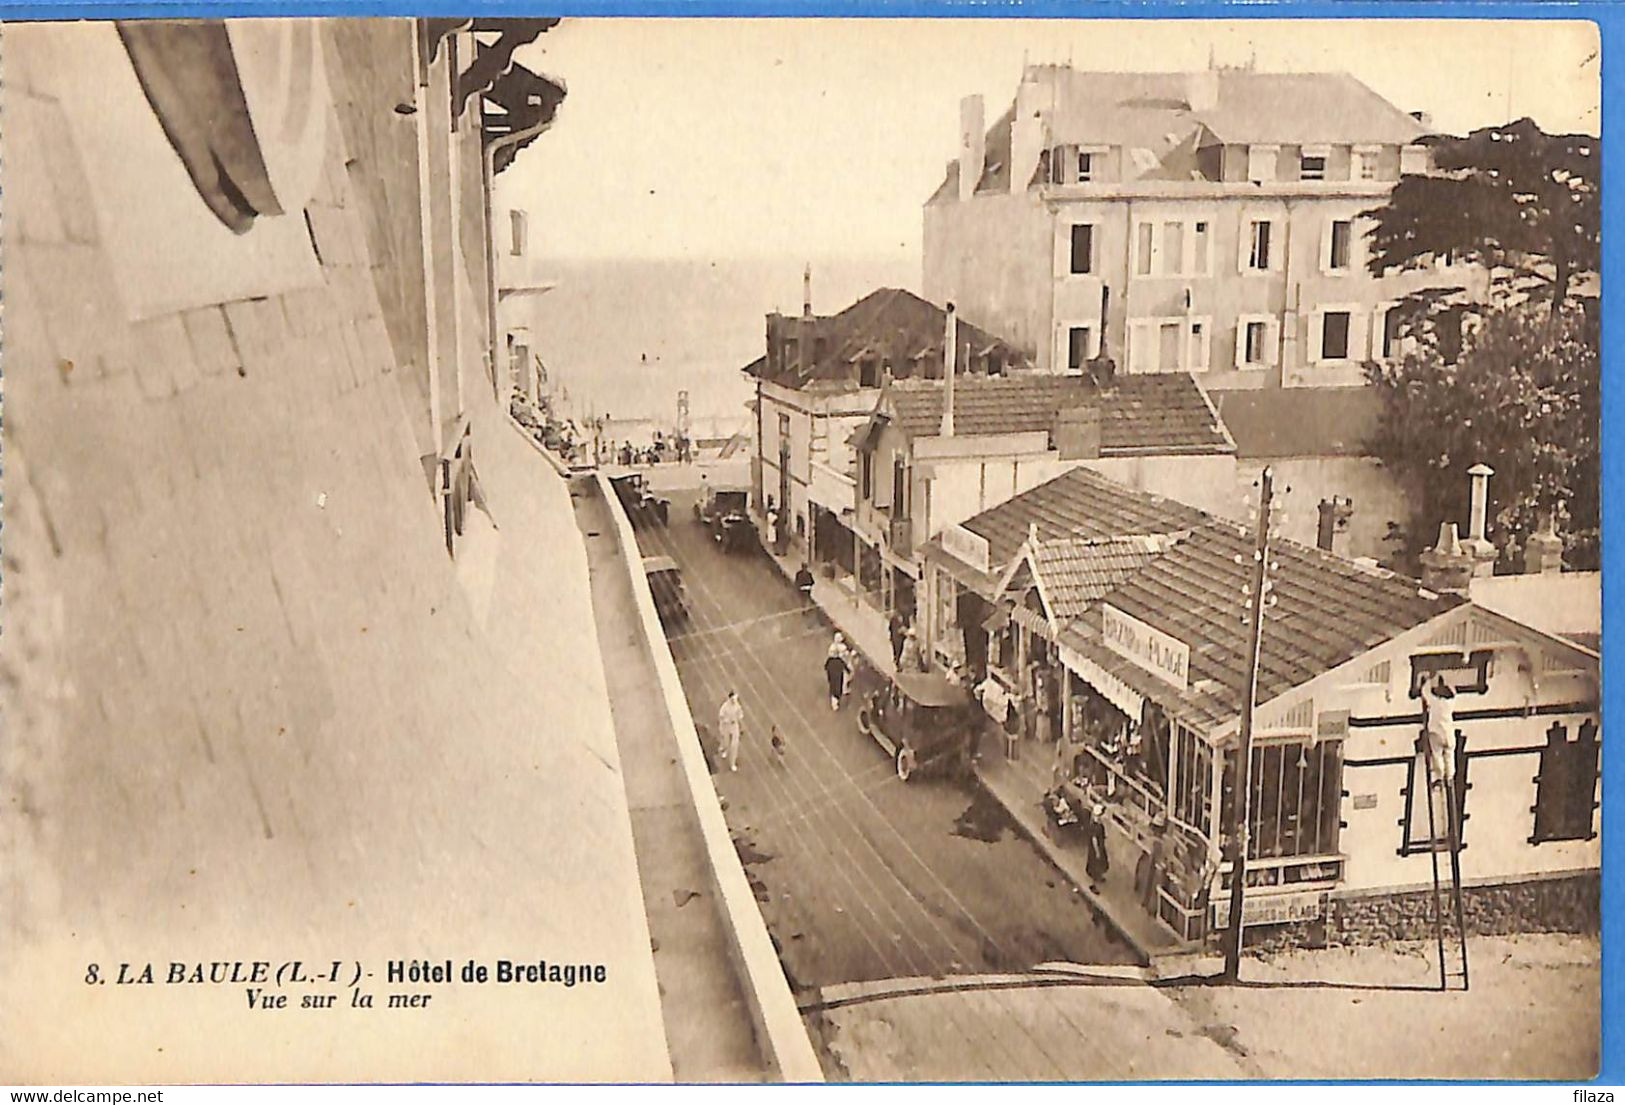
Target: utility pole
[1239,802]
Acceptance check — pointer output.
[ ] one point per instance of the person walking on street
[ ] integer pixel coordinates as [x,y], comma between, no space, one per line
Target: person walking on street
[1096,862]
[894,629]
[836,668]
[1148,873]
[772,526]
[730,722]
[804,584]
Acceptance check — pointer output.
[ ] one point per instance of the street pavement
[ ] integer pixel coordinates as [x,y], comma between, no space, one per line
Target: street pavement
[860,876]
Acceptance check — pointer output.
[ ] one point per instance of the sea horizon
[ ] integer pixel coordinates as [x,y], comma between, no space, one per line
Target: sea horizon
[622,337]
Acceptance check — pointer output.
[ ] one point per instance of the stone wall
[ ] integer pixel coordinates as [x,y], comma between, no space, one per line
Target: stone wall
[1569,903]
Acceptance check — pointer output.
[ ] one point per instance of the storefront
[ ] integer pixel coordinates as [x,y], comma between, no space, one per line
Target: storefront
[1337,819]
[1147,646]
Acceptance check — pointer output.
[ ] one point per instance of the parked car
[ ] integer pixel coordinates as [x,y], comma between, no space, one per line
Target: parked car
[640,503]
[666,585]
[924,722]
[725,511]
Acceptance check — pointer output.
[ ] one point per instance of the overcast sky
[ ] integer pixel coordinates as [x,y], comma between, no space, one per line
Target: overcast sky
[717,139]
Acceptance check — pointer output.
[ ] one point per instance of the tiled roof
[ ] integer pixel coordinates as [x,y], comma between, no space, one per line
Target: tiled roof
[1074,572]
[1162,412]
[1078,504]
[889,324]
[1327,612]
[1300,422]
[1090,529]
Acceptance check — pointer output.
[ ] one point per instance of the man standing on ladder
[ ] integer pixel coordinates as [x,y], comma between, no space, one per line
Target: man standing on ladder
[1439,730]
[1439,740]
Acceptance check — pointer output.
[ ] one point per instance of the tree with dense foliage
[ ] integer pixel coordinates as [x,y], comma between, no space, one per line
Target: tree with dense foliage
[1524,397]
[1517,387]
[1523,204]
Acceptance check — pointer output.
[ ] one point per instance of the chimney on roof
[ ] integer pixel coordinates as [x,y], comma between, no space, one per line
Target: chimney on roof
[1447,567]
[1477,544]
[950,349]
[1202,89]
[1543,552]
[1029,126]
[1077,432]
[1333,533]
[804,326]
[972,145]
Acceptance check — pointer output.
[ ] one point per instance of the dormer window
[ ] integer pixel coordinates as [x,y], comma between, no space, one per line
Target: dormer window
[1312,163]
[1086,166]
[869,373]
[1365,163]
[1261,163]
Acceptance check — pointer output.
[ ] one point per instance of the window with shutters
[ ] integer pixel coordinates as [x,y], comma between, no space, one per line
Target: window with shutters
[1086,166]
[1172,247]
[1172,257]
[1566,788]
[1256,256]
[1334,336]
[1339,243]
[1257,340]
[1167,344]
[1197,358]
[1386,344]
[1080,347]
[1083,248]
[1143,239]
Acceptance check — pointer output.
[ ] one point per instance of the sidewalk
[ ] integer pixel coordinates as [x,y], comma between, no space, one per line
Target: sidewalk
[1019,787]
[861,624]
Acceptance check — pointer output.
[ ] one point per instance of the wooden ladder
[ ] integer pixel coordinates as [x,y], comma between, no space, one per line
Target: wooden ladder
[1453,843]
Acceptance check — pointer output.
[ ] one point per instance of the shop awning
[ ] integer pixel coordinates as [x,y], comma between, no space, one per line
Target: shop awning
[1032,621]
[1111,688]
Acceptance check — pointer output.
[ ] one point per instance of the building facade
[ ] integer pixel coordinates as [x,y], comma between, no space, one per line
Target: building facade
[1129,604]
[522,278]
[818,382]
[1210,222]
[920,470]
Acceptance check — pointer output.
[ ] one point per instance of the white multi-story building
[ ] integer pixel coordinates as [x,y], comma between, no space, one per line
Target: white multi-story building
[1210,222]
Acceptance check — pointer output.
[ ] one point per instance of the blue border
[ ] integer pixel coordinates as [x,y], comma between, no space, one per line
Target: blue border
[1609,15]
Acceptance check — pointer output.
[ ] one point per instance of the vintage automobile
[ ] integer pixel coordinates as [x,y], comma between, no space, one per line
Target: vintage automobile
[725,511]
[641,504]
[666,585]
[924,722]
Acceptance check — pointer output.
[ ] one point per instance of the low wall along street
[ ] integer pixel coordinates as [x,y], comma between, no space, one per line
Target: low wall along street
[780,1031]
[1565,903]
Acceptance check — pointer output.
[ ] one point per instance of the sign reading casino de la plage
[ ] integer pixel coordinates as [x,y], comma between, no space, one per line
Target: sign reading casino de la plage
[1168,658]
